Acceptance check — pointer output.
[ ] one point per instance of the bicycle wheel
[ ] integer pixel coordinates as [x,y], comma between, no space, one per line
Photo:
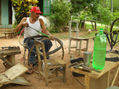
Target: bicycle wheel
[56,50]
[114,31]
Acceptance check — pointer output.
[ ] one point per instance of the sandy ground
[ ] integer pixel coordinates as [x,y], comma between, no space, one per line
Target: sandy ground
[35,81]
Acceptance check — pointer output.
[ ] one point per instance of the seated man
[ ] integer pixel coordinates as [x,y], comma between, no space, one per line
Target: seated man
[32,25]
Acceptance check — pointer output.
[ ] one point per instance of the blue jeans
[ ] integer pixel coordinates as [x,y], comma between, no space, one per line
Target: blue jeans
[33,58]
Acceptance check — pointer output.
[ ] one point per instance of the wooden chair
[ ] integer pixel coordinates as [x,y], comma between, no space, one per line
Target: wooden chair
[9,32]
[49,67]
[76,38]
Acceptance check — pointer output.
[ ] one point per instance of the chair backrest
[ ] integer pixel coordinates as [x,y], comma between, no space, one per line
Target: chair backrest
[73,27]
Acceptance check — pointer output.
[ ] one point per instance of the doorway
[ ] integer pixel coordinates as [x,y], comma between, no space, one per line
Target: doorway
[40,4]
[0,12]
[10,12]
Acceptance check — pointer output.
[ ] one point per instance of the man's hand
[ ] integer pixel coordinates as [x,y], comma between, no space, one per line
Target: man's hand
[25,24]
[51,37]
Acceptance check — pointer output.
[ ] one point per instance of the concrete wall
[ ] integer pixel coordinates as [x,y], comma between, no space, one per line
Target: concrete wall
[4,12]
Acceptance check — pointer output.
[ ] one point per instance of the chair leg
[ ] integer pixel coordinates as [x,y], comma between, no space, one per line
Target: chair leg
[69,46]
[46,81]
[77,46]
[80,46]
[24,56]
[56,72]
[46,76]
[87,45]
[64,74]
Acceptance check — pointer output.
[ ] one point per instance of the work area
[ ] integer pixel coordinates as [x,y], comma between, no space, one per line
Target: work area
[59,44]
[92,77]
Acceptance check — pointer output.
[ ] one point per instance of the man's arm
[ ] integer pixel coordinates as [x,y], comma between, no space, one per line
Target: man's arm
[21,24]
[44,30]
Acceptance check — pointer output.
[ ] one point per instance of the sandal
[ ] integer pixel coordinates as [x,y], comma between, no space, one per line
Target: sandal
[30,71]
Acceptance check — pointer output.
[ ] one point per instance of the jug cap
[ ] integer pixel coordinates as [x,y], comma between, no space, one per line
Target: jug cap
[101,29]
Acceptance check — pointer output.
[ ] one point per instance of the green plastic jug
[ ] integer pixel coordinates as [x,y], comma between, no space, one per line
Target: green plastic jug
[99,51]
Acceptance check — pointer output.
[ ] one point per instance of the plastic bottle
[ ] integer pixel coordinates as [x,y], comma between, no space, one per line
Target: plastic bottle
[99,52]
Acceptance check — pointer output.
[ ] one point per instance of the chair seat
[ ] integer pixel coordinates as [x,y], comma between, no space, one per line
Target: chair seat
[56,61]
[79,38]
[79,44]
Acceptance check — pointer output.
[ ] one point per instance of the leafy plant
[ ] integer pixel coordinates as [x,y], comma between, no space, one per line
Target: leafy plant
[80,5]
[104,15]
[60,14]
[116,14]
[22,8]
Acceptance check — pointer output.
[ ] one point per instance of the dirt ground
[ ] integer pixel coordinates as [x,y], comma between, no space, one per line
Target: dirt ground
[35,81]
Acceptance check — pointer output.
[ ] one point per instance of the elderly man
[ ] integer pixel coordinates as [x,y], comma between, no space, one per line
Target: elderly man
[29,24]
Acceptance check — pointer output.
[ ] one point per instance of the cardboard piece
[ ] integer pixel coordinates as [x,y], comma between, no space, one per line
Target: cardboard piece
[11,75]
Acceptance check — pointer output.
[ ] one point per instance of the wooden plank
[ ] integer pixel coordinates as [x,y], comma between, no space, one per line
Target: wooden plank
[115,76]
[114,87]
[108,67]
[11,75]
[15,71]
[99,80]
[20,80]
[3,79]
[9,52]
[100,83]
[87,82]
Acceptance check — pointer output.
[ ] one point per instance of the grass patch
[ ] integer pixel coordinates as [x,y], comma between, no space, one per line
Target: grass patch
[63,35]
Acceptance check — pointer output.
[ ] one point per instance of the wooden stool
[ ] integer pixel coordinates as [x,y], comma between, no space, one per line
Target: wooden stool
[78,46]
[9,34]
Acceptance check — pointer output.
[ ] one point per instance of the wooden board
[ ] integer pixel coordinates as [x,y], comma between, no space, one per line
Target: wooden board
[20,80]
[108,67]
[3,79]
[15,71]
[10,76]
[98,80]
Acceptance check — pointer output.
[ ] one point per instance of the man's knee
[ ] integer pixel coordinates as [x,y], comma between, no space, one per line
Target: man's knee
[47,43]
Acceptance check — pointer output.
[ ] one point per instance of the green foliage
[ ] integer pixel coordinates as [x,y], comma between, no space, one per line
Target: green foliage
[79,5]
[86,15]
[60,14]
[22,8]
[116,14]
[104,15]
[87,9]
[14,25]
[116,5]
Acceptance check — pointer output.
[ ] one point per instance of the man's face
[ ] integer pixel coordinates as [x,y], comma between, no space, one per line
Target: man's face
[35,15]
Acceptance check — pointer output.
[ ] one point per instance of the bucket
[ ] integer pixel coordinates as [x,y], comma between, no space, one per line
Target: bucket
[87,58]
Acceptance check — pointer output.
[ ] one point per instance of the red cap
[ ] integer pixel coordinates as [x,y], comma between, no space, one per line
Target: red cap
[36,9]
